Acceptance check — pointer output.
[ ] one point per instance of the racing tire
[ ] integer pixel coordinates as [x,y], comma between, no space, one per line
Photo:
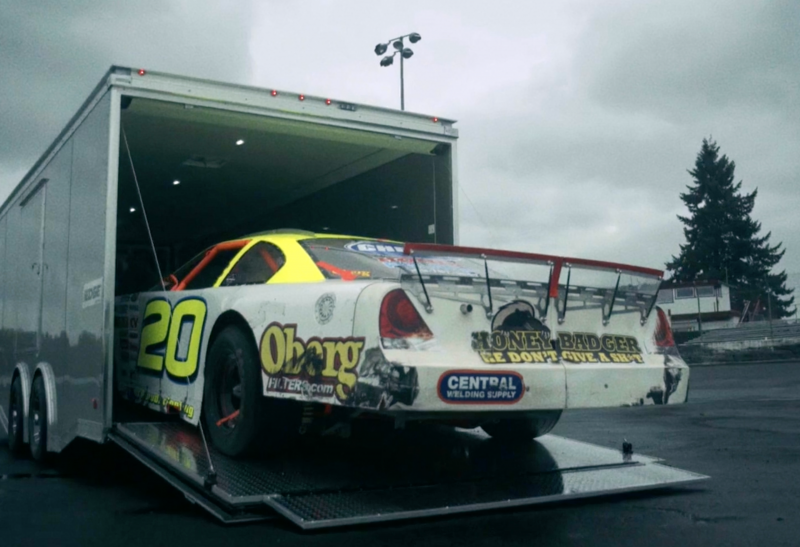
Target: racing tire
[37,420]
[238,418]
[16,419]
[524,428]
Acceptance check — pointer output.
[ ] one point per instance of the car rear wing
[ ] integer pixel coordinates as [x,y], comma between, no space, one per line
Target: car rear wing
[560,283]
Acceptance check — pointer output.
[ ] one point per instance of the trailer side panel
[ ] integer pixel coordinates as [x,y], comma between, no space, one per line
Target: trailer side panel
[81,402]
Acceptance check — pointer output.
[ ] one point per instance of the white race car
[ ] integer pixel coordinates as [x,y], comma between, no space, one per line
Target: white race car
[260,336]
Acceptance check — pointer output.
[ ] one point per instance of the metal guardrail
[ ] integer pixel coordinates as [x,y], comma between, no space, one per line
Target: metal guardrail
[756,341]
[751,331]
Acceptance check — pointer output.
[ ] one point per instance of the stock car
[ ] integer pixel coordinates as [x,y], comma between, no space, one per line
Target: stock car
[257,337]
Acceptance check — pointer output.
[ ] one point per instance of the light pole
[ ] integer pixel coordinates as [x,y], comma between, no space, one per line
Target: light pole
[405,53]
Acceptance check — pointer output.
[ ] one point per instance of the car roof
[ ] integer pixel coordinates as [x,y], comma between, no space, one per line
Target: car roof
[300,235]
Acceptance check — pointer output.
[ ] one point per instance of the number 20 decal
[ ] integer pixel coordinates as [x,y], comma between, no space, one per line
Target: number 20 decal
[165,340]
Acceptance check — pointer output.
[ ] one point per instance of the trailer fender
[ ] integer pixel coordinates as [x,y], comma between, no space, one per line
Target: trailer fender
[23,372]
[46,371]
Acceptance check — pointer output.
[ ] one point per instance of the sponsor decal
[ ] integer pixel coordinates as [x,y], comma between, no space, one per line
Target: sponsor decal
[375,247]
[480,387]
[171,338]
[523,346]
[141,395]
[331,361]
[92,293]
[323,310]
[283,384]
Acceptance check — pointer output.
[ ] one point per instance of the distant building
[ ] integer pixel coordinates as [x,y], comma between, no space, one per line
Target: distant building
[681,300]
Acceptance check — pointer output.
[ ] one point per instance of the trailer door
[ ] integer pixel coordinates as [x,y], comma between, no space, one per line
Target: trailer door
[29,269]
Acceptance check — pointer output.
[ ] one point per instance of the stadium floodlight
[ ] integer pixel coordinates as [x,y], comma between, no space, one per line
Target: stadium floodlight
[405,53]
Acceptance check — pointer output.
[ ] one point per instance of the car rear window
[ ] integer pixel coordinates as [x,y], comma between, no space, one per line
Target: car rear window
[342,259]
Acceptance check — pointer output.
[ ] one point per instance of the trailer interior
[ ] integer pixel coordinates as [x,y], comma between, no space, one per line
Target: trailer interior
[207,175]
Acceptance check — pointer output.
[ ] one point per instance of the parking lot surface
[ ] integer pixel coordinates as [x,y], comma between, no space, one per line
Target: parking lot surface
[741,427]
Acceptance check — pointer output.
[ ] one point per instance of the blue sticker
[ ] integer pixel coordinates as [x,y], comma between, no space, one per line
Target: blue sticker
[480,387]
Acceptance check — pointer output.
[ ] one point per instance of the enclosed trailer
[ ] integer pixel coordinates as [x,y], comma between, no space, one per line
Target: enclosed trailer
[212,161]
[155,165]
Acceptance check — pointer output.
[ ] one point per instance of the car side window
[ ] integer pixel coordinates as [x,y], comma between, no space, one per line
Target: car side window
[256,266]
[208,275]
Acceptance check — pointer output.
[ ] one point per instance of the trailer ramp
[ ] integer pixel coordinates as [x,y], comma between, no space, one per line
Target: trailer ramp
[420,473]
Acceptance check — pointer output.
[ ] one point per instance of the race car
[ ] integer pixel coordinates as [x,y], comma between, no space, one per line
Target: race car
[258,336]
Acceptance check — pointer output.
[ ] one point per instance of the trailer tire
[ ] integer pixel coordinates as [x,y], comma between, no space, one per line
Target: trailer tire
[37,420]
[524,428]
[262,424]
[16,418]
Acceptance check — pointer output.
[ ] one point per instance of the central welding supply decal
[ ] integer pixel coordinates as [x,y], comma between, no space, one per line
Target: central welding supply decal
[480,387]
[318,367]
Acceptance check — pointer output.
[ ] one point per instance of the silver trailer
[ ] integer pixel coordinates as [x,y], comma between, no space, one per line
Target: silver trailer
[208,161]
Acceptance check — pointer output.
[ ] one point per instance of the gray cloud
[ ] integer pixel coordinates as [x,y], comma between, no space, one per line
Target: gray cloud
[52,54]
[578,119]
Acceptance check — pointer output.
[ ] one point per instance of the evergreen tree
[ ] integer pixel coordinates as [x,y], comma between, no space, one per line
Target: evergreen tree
[723,242]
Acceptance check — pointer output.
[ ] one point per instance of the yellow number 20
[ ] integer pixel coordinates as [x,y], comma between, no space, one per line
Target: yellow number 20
[172,337]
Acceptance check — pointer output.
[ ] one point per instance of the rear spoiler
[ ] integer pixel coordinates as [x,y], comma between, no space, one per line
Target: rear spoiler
[557,262]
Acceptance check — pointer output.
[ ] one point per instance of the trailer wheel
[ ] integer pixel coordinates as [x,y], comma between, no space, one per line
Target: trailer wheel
[524,428]
[16,417]
[37,420]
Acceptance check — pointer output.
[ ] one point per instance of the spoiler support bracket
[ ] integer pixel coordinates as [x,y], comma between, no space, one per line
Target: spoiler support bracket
[428,306]
[547,297]
[646,314]
[607,316]
[488,286]
[562,314]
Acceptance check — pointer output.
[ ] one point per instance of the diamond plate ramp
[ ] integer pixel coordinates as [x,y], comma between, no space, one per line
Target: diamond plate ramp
[425,472]
[314,511]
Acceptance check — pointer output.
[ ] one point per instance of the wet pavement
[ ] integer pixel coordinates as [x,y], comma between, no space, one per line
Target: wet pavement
[741,427]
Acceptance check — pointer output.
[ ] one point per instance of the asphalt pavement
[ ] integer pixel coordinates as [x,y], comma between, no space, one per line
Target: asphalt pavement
[741,427]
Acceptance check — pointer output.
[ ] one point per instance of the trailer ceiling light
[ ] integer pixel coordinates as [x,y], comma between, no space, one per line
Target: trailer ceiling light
[176,182]
[142,72]
[240,142]
[274,93]
[133,209]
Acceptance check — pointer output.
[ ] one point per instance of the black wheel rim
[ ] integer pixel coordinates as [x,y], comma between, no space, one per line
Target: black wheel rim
[15,413]
[229,390]
[36,420]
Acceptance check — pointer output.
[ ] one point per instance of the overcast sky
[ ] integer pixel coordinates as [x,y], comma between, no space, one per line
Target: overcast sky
[578,119]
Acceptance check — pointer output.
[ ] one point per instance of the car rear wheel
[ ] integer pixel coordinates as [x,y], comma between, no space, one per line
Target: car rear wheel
[16,415]
[523,428]
[237,416]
